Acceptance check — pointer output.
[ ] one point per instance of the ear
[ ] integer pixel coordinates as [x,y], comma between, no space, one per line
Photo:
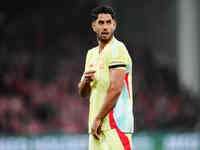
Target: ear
[114,24]
[93,26]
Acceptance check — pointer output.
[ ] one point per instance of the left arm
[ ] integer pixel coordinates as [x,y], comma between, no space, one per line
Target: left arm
[116,84]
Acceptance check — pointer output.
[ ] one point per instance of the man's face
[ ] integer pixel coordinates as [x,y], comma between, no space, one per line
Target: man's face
[104,27]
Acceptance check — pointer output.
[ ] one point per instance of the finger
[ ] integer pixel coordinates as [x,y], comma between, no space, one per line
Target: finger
[88,75]
[99,130]
[92,78]
[89,78]
[96,135]
[90,72]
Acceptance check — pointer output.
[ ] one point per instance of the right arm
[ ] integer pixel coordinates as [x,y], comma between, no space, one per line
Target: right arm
[84,85]
[84,88]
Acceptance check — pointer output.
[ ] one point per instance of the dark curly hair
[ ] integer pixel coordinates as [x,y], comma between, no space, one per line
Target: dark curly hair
[102,9]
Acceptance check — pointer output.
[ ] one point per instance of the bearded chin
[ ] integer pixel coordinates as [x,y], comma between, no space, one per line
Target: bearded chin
[104,40]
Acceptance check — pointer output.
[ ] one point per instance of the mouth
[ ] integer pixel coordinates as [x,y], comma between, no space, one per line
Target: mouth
[105,34]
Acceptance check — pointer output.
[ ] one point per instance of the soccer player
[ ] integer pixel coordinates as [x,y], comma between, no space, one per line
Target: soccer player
[108,81]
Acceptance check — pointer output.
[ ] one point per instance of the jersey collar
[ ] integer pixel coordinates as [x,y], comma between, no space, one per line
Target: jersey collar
[111,42]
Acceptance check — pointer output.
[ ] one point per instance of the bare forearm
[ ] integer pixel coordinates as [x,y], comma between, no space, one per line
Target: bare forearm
[84,88]
[110,101]
[113,92]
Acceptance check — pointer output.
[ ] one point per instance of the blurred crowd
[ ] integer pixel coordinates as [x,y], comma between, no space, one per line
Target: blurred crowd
[39,73]
[35,106]
[160,104]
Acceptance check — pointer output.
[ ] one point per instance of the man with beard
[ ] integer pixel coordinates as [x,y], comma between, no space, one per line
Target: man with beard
[108,80]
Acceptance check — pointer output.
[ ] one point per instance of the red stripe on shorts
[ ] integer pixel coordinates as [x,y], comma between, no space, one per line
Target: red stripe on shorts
[123,138]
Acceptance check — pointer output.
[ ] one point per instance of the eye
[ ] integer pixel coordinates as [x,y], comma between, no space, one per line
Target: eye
[101,22]
[108,22]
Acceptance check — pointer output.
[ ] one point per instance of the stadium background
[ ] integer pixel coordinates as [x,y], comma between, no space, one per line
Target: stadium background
[42,52]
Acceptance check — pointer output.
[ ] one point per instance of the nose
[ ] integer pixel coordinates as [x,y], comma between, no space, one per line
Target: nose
[105,27]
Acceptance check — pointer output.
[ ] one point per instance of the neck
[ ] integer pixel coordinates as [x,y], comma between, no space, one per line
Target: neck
[103,44]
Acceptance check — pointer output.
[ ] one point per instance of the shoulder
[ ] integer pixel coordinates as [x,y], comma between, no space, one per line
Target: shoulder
[121,48]
[121,45]
[123,51]
[92,50]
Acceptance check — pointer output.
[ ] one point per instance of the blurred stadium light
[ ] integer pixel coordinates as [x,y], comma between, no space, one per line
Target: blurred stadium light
[188,45]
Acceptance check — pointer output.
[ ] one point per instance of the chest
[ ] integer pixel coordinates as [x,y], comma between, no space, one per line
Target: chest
[99,63]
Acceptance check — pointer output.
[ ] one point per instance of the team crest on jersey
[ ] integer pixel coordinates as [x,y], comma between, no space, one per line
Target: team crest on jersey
[91,65]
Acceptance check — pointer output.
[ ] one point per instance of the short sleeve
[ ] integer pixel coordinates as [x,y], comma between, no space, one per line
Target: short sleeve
[119,58]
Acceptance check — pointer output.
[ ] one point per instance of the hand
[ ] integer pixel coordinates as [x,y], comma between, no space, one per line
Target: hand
[96,128]
[89,76]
